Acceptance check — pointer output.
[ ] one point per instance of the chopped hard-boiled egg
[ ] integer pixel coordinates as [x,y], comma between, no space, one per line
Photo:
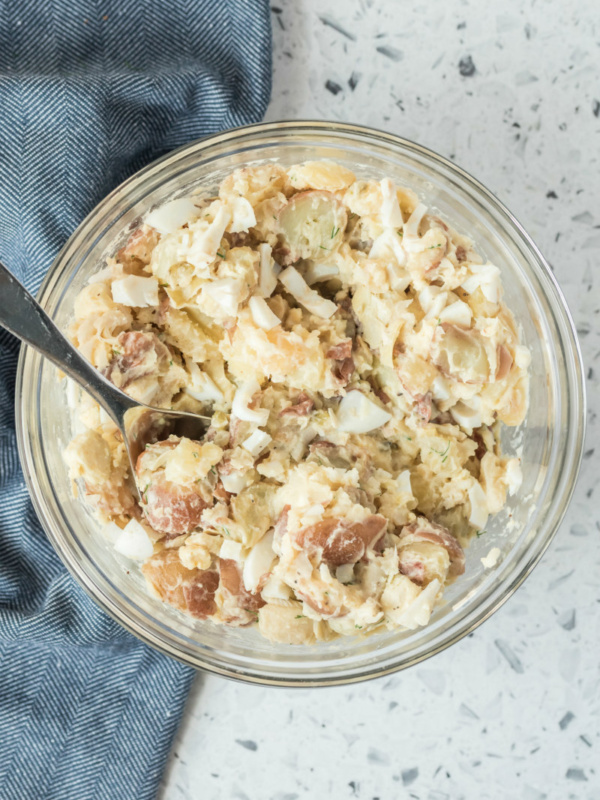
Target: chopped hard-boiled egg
[171,216]
[262,314]
[135,291]
[358,414]
[243,216]
[258,562]
[391,216]
[268,271]
[307,297]
[479,507]
[134,542]
[206,239]
[241,404]
[256,442]
[486,277]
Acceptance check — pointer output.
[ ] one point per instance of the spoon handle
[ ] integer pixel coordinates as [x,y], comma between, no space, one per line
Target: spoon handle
[24,318]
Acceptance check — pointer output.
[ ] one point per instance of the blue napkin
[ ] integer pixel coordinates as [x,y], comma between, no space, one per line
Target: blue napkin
[90,92]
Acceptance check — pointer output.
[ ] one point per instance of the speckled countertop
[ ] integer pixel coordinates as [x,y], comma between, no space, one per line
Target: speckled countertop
[511,92]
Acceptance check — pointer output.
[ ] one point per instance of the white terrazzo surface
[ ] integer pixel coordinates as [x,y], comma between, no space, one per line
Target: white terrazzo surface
[511,91]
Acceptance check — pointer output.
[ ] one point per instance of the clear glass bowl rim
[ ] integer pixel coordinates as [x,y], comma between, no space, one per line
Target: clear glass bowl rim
[575,395]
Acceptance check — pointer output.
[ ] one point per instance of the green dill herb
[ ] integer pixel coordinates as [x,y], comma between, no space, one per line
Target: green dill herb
[400,233]
[171,363]
[116,352]
[220,254]
[195,455]
[226,531]
[213,470]
[434,246]
[323,248]
[409,438]
[164,285]
[479,533]
[444,453]
[334,231]
[359,627]
[299,616]
[439,321]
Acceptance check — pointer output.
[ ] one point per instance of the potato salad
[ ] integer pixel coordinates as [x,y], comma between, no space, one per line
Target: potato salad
[357,363]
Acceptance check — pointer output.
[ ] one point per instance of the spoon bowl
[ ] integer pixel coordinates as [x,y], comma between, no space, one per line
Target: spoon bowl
[139,424]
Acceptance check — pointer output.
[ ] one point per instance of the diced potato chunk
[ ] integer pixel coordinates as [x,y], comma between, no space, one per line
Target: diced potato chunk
[324,175]
[461,355]
[423,562]
[311,225]
[88,457]
[286,624]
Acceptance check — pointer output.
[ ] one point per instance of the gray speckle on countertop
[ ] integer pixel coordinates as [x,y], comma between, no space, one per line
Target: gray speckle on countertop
[510,92]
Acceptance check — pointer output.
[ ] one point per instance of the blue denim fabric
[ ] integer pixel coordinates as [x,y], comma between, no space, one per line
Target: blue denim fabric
[90,91]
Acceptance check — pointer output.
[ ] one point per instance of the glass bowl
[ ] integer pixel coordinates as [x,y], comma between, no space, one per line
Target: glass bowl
[549,442]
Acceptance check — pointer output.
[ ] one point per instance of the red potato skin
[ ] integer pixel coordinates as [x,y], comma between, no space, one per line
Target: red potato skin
[423,406]
[301,408]
[139,246]
[505,362]
[461,254]
[172,509]
[189,590]
[421,402]
[338,542]
[424,531]
[199,594]
[135,346]
[232,582]
[385,399]
[343,370]
[169,508]
[342,354]
[340,351]
[481,448]
[413,568]
[281,525]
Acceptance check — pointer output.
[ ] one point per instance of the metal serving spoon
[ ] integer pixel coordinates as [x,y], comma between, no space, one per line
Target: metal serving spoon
[139,424]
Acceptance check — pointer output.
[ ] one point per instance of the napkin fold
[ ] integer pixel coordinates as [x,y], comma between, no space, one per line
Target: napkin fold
[91,91]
